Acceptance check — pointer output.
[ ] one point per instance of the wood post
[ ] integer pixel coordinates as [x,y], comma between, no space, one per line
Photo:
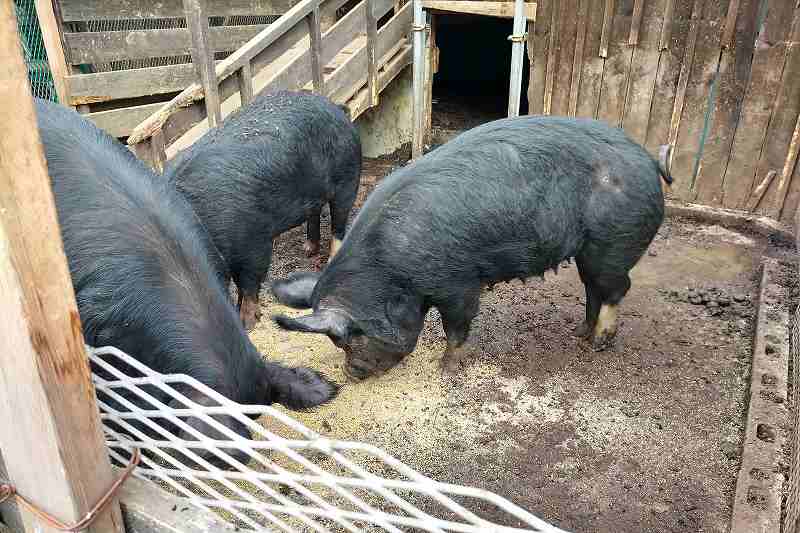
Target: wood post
[315,36]
[418,83]
[54,449]
[53,44]
[517,51]
[203,57]
[372,40]
[245,79]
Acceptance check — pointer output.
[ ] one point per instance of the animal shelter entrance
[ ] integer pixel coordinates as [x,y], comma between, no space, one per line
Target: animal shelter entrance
[470,65]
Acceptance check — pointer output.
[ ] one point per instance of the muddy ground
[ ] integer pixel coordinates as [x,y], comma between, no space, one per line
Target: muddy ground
[645,436]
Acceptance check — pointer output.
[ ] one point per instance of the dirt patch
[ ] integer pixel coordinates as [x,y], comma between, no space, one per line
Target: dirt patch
[642,437]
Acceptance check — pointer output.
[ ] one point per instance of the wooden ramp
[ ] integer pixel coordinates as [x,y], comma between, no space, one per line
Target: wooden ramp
[350,63]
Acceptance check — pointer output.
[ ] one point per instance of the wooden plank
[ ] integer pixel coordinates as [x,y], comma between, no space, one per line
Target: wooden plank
[730,22]
[729,90]
[418,82]
[670,63]
[120,122]
[758,192]
[102,47]
[203,58]
[691,123]
[56,59]
[315,36]
[666,27]
[491,9]
[784,119]
[608,20]
[82,10]
[119,84]
[517,50]
[53,447]
[284,33]
[769,56]
[591,79]
[292,73]
[577,62]
[636,22]
[788,168]
[245,80]
[644,69]
[790,206]
[348,78]
[158,147]
[566,54]
[614,87]
[552,57]
[686,70]
[538,43]
[360,103]
[372,69]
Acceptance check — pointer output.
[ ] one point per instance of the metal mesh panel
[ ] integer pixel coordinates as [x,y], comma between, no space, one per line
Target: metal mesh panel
[792,520]
[30,34]
[295,480]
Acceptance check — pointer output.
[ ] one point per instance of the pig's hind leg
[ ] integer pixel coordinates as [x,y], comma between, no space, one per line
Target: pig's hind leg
[607,282]
[341,205]
[311,246]
[457,315]
[252,273]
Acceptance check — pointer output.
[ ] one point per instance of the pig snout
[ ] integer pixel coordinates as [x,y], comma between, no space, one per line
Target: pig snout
[366,358]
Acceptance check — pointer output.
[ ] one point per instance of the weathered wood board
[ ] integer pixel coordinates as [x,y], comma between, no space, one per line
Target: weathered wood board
[593,63]
[734,72]
[769,55]
[617,68]
[80,10]
[101,47]
[643,70]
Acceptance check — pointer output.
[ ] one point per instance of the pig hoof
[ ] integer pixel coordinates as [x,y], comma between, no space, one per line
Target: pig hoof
[603,342]
[583,330]
[450,364]
[311,248]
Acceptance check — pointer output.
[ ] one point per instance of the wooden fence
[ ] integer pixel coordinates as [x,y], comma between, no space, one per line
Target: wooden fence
[720,79]
[350,63]
[119,61]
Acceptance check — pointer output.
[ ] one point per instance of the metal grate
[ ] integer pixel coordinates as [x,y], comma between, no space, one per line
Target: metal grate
[39,75]
[792,520]
[295,479]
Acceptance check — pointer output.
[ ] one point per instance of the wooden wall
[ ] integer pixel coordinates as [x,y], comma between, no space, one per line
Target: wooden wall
[720,79]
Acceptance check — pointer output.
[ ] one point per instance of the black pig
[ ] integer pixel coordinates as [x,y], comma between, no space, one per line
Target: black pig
[266,169]
[146,277]
[509,199]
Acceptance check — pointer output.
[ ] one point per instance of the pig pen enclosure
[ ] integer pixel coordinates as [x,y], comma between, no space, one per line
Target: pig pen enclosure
[688,423]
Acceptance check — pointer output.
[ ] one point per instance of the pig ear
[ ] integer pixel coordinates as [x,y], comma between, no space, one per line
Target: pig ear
[405,318]
[328,322]
[299,388]
[296,290]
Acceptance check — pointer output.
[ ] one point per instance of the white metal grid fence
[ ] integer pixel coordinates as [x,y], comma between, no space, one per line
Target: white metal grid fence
[294,480]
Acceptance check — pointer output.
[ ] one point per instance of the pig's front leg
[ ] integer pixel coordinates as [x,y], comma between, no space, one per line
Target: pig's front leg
[457,315]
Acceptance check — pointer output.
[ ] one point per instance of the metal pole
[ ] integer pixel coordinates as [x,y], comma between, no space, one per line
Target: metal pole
[517,51]
[418,29]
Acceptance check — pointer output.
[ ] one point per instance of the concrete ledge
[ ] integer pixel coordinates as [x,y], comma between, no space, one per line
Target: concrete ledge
[147,508]
[732,219]
[757,503]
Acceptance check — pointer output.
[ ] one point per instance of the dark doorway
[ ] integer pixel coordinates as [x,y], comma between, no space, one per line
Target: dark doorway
[471,86]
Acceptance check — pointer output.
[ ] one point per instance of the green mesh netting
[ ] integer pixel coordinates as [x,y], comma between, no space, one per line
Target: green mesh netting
[33,48]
